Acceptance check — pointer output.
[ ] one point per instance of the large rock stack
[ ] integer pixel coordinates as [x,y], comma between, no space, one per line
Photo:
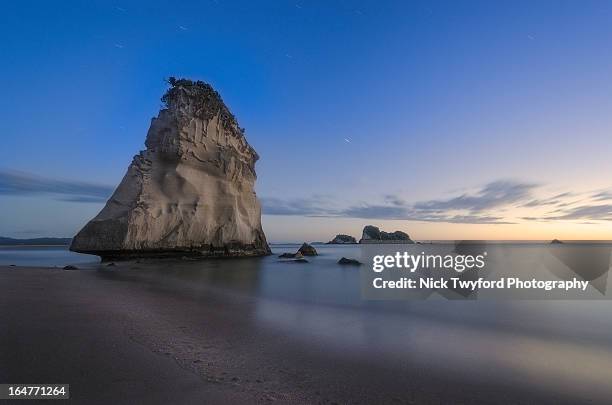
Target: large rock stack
[190,193]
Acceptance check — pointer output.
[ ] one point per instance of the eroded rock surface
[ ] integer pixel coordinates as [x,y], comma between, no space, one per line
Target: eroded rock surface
[191,192]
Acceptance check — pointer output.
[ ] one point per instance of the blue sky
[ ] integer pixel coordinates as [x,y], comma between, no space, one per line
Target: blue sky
[442,119]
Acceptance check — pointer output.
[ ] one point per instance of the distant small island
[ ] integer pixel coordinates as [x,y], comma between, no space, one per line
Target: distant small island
[372,234]
[4,241]
[342,239]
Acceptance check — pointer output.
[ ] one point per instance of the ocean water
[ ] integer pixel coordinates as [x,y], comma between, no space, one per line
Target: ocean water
[560,347]
[47,256]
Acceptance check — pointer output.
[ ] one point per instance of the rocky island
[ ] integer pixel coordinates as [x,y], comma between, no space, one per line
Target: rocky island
[190,193]
[342,239]
[371,234]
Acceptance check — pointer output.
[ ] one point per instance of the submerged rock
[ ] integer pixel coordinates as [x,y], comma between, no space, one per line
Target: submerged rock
[70,267]
[190,193]
[297,255]
[342,239]
[371,234]
[354,262]
[307,250]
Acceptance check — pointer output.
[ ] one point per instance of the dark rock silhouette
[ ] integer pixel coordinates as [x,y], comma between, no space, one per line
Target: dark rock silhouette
[371,234]
[341,239]
[307,250]
[297,255]
[346,261]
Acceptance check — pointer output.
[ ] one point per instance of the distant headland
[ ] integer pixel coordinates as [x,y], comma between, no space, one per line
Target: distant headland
[34,241]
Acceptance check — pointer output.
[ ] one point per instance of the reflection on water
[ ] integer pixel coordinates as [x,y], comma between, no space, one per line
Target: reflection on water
[558,346]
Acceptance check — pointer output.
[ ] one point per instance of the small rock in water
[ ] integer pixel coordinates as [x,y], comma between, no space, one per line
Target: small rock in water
[111,264]
[307,250]
[354,262]
[300,260]
[297,255]
[70,267]
[556,242]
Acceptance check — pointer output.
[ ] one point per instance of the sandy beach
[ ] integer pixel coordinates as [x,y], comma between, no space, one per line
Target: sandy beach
[125,336]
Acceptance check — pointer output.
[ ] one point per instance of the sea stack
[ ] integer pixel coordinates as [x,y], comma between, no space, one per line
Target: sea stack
[190,193]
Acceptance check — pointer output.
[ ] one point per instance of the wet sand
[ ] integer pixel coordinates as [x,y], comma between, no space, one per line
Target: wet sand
[120,337]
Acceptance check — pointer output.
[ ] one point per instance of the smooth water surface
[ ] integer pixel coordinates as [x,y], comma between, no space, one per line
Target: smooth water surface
[561,347]
[45,256]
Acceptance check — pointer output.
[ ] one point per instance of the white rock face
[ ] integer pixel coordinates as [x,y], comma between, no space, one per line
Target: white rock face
[191,192]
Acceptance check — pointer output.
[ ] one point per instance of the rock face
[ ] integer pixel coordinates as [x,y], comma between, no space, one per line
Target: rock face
[371,234]
[190,193]
[342,239]
[307,250]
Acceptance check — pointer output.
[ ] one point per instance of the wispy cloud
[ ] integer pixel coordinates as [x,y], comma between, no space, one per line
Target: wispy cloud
[559,199]
[490,204]
[312,206]
[376,211]
[465,208]
[492,195]
[589,206]
[602,196]
[586,212]
[19,183]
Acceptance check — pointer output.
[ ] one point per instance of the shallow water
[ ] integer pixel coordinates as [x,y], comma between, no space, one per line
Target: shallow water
[558,347]
[47,256]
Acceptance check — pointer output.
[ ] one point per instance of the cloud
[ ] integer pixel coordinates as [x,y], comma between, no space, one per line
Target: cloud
[557,200]
[492,195]
[586,212]
[602,196]
[313,206]
[19,183]
[486,205]
[466,208]
[409,213]
[472,219]
[376,212]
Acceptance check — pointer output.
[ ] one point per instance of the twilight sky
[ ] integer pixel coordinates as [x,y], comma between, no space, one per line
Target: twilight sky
[447,120]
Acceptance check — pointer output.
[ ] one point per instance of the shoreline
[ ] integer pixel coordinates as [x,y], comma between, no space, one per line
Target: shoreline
[139,336]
